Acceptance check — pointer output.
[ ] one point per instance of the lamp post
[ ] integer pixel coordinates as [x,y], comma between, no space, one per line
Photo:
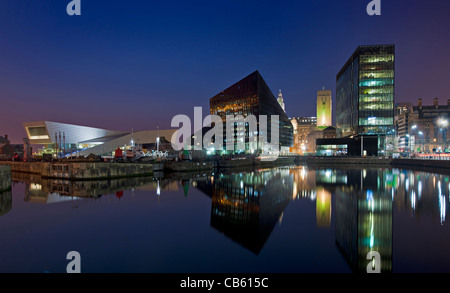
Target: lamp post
[443,123]
[413,127]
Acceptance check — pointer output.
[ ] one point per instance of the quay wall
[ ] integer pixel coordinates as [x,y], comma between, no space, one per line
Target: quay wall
[337,161]
[374,162]
[188,166]
[80,170]
[281,161]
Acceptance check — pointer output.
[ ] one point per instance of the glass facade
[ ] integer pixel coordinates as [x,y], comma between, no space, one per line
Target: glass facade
[365,91]
[251,96]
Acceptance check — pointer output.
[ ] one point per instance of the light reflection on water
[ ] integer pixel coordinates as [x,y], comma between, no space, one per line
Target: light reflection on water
[293,219]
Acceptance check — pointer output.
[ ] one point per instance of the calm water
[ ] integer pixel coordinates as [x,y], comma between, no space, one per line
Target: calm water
[295,219]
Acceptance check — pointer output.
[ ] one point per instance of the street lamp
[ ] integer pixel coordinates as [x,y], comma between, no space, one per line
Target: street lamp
[413,127]
[443,122]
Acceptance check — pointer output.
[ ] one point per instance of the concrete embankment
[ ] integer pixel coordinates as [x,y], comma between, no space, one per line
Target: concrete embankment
[5,178]
[81,170]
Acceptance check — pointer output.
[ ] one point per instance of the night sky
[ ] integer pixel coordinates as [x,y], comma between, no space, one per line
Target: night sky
[136,64]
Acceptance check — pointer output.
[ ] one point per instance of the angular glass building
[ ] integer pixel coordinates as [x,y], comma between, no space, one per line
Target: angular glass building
[365,91]
[252,96]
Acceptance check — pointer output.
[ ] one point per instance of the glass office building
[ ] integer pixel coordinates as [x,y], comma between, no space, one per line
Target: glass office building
[365,91]
[252,96]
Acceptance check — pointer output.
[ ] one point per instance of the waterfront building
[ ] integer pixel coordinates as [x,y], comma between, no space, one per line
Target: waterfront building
[360,145]
[331,132]
[281,101]
[296,147]
[365,91]
[10,151]
[422,129]
[4,149]
[62,140]
[403,123]
[429,131]
[324,107]
[305,134]
[252,96]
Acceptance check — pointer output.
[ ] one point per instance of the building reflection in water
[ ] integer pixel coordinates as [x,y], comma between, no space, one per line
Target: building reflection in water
[316,185]
[421,193]
[247,206]
[47,191]
[363,220]
[5,202]
[323,208]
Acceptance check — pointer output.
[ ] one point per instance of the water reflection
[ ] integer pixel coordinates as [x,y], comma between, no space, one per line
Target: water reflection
[246,206]
[421,193]
[5,202]
[357,205]
[323,208]
[40,190]
[363,218]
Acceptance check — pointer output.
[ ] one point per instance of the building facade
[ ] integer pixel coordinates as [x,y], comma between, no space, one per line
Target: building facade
[403,123]
[324,107]
[365,91]
[305,134]
[252,96]
[10,151]
[429,130]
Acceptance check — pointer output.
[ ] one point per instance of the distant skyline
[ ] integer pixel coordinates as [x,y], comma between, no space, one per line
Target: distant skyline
[123,65]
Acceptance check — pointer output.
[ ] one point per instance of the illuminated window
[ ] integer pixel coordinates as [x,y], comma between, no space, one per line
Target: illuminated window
[38,132]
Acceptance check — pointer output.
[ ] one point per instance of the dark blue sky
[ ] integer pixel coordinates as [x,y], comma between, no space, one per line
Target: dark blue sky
[136,64]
